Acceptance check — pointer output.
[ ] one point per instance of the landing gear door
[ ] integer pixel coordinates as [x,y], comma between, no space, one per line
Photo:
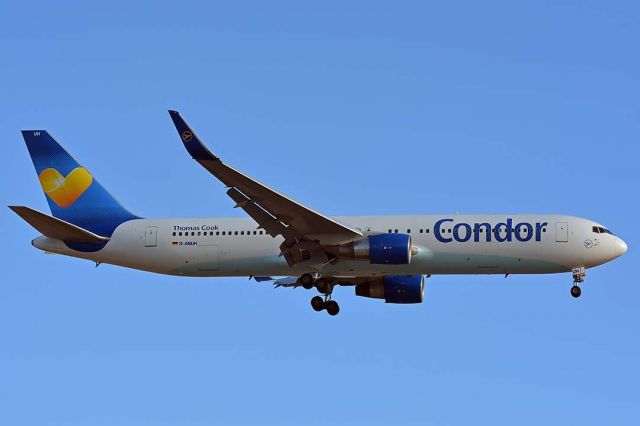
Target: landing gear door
[151,236]
[562,232]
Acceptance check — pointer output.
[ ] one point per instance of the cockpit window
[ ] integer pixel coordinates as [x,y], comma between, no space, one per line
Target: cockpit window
[601,230]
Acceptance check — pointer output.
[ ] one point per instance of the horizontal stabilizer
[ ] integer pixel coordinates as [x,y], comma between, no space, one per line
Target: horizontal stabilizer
[286,282]
[263,279]
[56,228]
[279,282]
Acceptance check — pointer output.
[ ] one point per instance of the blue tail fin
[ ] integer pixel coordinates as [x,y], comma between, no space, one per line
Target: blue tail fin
[72,192]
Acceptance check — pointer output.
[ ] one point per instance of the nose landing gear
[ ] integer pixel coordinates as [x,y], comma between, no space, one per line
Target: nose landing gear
[578,278]
[576,291]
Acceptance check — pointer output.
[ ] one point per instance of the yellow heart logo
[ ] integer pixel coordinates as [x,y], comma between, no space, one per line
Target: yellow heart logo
[64,191]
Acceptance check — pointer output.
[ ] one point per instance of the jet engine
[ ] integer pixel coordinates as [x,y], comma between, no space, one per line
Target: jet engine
[394,288]
[383,249]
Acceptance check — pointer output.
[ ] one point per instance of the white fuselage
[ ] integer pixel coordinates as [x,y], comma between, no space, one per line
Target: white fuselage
[446,244]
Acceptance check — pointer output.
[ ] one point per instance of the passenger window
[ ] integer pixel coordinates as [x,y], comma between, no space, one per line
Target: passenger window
[255,232]
[223,232]
[260,232]
[235,233]
[198,233]
[217,232]
[408,231]
[389,230]
[396,231]
[174,234]
[427,230]
[421,230]
[180,234]
[241,232]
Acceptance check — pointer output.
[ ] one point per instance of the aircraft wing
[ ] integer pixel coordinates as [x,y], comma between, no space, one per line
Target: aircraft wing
[276,213]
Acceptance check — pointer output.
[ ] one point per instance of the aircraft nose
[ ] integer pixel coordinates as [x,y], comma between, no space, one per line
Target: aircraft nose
[621,247]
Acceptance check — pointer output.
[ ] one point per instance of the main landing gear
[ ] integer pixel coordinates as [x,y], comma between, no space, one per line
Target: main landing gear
[307,281]
[319,303]
[324,286]
[578,278]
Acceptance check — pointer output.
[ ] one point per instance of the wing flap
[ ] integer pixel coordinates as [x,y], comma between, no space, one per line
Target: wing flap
[52,227]
[266,221]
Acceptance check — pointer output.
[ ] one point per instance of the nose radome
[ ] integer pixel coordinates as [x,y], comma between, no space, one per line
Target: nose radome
[621,247]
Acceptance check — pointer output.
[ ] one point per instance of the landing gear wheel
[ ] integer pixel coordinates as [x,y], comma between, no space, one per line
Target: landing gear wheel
[576,291]
[307,281]
[317,303]
[332,307]
[323,286]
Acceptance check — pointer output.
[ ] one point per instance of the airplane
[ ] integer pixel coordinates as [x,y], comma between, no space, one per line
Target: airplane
[382,257]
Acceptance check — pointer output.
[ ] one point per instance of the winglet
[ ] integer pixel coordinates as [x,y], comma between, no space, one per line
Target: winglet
[190,140]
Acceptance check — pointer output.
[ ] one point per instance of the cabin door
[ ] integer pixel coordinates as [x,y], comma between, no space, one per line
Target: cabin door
[151,236]
[562,232]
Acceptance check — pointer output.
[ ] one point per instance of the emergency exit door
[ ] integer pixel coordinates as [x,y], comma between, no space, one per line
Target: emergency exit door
[151,236]
[562,232]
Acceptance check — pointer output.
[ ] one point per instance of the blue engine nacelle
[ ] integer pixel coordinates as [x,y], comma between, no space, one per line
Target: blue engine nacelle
[394,289]
[380,249]
[390,249]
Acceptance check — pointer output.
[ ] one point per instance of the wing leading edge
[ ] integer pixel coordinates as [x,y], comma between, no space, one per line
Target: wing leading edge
[305,231]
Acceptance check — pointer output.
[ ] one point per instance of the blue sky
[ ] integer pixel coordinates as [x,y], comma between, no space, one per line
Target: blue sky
[352,108]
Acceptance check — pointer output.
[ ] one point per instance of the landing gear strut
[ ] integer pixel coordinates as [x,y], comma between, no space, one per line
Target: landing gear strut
[578,278]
